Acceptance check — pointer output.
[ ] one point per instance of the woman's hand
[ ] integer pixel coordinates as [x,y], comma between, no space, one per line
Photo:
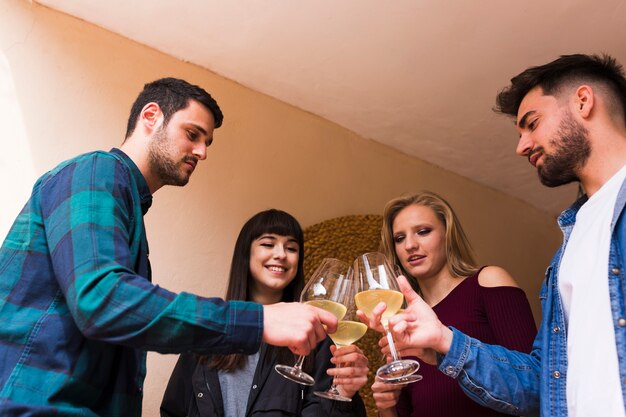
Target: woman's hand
[386,397]
[350,370]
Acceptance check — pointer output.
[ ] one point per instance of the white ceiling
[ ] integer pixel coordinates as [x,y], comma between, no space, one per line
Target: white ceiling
[418,75]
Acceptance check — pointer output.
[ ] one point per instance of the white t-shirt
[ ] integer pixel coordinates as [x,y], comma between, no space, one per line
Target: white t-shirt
[593,381]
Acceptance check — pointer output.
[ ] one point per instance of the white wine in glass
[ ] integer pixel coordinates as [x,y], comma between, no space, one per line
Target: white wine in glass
[368,299]
[349,330]
[338,310]
[323,289]
[377,283]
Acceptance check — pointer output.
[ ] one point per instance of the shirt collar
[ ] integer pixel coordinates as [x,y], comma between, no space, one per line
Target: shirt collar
[568,216]
[144,191]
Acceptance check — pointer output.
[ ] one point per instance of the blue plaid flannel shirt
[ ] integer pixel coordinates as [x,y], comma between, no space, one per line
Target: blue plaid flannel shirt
[78,310]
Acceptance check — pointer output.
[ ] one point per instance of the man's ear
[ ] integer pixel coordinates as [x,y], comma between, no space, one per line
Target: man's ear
[584,100]
[151,116]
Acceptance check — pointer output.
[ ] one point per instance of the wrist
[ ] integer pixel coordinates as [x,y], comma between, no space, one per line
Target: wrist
[445,341]
[388,412]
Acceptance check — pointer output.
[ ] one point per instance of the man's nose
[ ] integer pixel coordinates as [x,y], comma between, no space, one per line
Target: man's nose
[200,151]
[524,146]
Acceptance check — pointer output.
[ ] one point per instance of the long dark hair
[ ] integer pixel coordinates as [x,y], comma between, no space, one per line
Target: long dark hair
[269,221]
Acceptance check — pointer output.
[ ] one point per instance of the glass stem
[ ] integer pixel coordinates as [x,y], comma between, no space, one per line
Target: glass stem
[299,362]
[392,346]
[333,387]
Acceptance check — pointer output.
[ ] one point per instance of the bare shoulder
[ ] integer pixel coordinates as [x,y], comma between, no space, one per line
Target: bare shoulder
[494,276]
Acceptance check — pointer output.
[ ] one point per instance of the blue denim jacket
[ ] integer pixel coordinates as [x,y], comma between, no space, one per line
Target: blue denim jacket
[524,384]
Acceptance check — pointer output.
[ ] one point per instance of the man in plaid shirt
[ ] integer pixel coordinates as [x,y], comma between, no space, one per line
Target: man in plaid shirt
[77,306]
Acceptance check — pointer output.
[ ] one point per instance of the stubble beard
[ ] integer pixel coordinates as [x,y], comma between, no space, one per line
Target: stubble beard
[571,152]
[161,163]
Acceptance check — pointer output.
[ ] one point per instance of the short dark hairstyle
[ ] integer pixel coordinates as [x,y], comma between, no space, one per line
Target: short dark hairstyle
[552,76]
[172,95]
[269,221]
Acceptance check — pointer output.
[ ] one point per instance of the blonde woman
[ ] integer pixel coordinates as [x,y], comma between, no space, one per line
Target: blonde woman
[423,236]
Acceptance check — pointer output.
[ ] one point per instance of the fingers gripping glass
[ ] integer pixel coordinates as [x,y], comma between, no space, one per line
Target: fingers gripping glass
[409,379]
[376,282]
[322,290]
[349,330]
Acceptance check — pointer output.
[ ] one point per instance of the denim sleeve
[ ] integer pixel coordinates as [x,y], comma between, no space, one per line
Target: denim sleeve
[495,377]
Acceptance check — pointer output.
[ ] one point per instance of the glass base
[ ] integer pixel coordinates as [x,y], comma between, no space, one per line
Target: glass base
[397,369]
[332,394]
[403,380]
[295,374]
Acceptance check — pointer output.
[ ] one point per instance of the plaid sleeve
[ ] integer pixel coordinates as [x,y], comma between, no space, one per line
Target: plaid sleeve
[94,229]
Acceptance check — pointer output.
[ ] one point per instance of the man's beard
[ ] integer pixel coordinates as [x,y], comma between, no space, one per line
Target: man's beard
[161,163]
[571,151]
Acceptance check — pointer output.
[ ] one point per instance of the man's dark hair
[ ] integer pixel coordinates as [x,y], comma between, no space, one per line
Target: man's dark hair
[553,76]
[172,95]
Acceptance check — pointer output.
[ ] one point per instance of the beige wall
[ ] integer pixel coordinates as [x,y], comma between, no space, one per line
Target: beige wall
[66,87]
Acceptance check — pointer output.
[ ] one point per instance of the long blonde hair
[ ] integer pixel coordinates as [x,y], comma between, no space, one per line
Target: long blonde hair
[460,258]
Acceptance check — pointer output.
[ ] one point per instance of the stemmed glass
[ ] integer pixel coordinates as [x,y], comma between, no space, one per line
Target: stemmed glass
[409,378]
[349,330]
[377,282]
[323,290]
[403,380]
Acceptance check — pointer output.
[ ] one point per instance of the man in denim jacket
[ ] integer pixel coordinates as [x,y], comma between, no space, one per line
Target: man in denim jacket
[571,118]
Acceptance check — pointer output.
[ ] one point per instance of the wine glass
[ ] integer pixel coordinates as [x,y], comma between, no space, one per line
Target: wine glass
[349,330]
[403,380]
[376,282]
[322,290]
[409,378]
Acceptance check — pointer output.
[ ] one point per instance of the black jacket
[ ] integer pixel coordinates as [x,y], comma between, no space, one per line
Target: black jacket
[194,391]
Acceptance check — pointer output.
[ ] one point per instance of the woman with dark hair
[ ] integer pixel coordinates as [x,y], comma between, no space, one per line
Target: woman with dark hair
[423,236]
[267,267]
